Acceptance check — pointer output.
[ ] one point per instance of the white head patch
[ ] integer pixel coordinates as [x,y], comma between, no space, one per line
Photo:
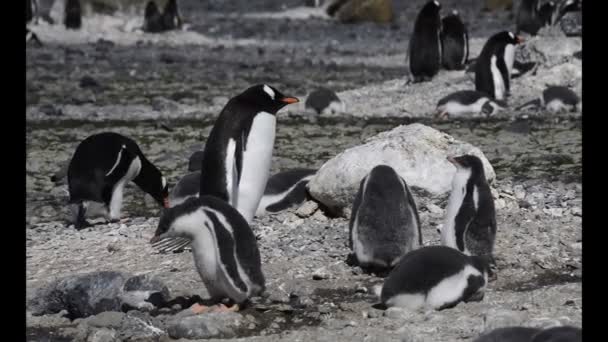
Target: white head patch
[436,3]
[455,12]
[269,91]
[511,35]
[164,182]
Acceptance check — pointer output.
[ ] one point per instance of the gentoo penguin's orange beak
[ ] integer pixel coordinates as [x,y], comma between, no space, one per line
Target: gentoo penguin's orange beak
[165,202]
[519,39]
[290,100]
[453,161]
[155,239]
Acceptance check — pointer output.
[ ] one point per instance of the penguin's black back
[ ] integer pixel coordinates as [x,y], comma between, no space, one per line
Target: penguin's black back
[423,268]
[454,42]
[425,43]
[73,16]
[464,97]
[93,158]
[170,16]
[560,92]
[527,17]
[508,334]
[282,181]
[243,240]
[559,334]
[483,73]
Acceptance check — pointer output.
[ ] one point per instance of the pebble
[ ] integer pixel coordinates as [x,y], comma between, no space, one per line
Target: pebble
[320,274]
[307,209]
[394,313]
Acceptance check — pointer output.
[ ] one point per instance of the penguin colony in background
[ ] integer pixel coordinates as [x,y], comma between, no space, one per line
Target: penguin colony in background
[213,208]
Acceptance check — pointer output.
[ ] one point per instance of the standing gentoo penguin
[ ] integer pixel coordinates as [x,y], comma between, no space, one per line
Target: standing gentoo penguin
[224,248]
[454,42]
[238,152]
[555,99]
[494,65]
[72,18]
[508,334]
[153,21]
[559,334]
[435,277]
[528,19]
[468,102]
[425,44]
[384,223]
[284,190]
[470,223]
[101,167]
[171,18]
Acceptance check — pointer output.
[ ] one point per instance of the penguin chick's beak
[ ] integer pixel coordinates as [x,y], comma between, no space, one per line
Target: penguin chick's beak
[289,100]
[155,239]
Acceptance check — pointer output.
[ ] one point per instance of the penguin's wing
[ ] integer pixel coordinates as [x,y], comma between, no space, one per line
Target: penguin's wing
[353,214]
[502,67]
[116,172]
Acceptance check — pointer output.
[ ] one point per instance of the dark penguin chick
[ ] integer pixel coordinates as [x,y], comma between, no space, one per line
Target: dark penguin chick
[554,99]
[467,102]
[384,224]
[559,334]
[285,190]
[323,100]
[528,19]
[153,21]
[195,161]
[425,43]
[73,16]
[494,65]
[223,245]
[454,42]
[508,334]
[435,277]
[171,18]
[470,223]
[238,151]
[101,167]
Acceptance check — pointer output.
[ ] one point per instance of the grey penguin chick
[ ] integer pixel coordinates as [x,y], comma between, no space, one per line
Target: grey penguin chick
[224,248]
[508,334]
[324,101]
[470,223]
[468,102]
[384,223]
[559,334]
[435,277]
[554,99]
[195,161]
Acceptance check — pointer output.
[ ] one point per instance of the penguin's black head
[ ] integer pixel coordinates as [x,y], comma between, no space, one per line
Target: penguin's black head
[507,37]
[467,161]
[162,194]
[431,7]
[266,98]
[151,10]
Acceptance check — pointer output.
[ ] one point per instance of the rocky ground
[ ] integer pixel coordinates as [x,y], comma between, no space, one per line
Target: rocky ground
[164,92]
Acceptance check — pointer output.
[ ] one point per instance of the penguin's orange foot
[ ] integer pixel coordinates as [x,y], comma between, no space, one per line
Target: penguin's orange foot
[198,309]
[224,308]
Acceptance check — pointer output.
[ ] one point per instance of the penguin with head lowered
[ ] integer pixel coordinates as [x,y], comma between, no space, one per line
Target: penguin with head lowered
[435,277]
[468,102]
[494,65]
[555,99]
[454,42]
[238,152]
[425,44]
[384,223]
[224,248]
[470,222]
[73,16]
[101,167]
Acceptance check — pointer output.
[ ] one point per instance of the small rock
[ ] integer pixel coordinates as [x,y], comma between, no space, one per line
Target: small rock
[102,335]
[500,203]
[50,110]
[170,58]
[555,212]
[394,313]
[108,319]
[519,192]
[434,209]
[209,325]
[320,274]
[498,318]
[577,211]
[88,82]
[373,314]
[307,209]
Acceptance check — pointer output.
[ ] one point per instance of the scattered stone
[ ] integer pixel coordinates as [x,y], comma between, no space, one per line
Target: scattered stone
[320,274]
[88,82]
[394,312]
[50,110]
[411,150]
[209,325]
[102,335]
[499,318]
[307,209]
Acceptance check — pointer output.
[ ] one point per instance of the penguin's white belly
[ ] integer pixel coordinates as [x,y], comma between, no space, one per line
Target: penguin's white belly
[255,170]
[450,289]
[499,85]
[509,58]
[556,106]
[117,193]
[456,108]
[207,261]
[448,231]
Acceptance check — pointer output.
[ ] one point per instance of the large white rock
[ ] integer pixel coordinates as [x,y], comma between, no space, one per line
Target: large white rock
[417,152]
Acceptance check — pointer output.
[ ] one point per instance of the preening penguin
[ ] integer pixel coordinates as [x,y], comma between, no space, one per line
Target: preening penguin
[425,44]
[224,248]
[468,102]
[101,167]
[494,65]
[384,223]
[435,277]
[555,99]
[454,42]
[237,155]
[470,223]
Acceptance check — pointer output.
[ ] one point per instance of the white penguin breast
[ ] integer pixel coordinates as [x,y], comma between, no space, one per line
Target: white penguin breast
[450,288]
[456,108]
[459,183]
[509,57]
[255,170]
[499,85]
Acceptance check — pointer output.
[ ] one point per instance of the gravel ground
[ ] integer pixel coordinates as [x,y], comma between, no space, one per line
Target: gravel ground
[183,83]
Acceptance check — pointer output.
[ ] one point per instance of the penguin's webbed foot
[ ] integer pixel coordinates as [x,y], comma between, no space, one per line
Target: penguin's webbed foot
[223,308]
